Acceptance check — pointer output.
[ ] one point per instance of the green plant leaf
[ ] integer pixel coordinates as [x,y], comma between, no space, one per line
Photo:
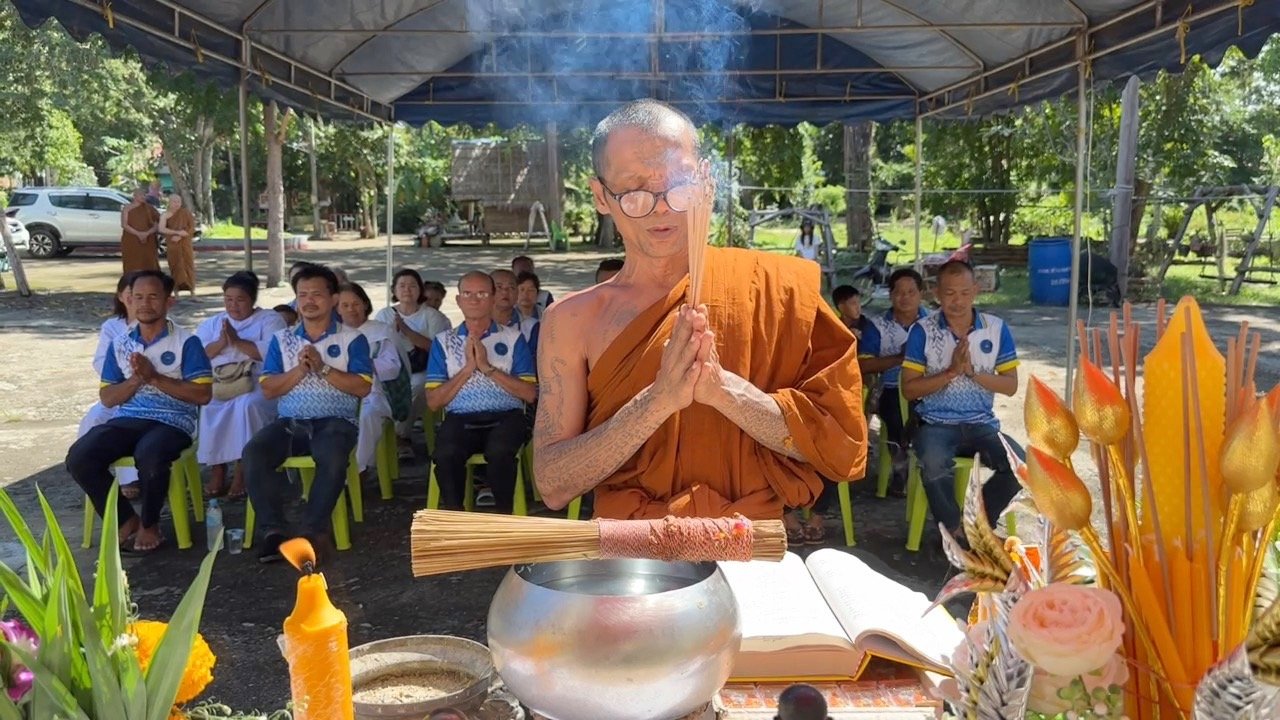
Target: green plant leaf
[49,686]
[30,607]
[108,702]
[56,642]
[53,531]
[110,587]
[8,710]
[36,557]
[164,674]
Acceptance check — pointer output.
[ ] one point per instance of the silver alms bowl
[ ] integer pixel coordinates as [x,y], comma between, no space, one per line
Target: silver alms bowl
[614,639]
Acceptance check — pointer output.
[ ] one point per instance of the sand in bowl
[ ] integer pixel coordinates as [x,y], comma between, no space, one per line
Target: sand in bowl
[413,685]
[406,678]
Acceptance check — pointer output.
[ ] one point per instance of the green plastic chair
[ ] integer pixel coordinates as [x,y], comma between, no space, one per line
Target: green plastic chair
[184,480]
[387,456]
[306,467]
[918,502]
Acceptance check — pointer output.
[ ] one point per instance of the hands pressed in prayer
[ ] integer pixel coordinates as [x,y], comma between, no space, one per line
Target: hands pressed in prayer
[310,357]
[960,363]
[685,352]
[480,356]
[229,334]
[710,387]
[142,367]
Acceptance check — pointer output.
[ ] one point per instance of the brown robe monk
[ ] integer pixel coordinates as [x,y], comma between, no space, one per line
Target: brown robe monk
[140,254]
[773,329]
[182,257]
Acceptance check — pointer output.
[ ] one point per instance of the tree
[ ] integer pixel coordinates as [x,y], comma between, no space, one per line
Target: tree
[358,153]
[975,156]
[858,141]
[191,118]
[276,127]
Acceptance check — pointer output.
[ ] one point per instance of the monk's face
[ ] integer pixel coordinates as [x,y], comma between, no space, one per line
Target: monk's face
[655,160]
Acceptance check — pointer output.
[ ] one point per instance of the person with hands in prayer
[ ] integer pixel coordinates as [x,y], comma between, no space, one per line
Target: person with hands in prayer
[319,371]
[157,376]
[734,406]
[482,374]
[954,363]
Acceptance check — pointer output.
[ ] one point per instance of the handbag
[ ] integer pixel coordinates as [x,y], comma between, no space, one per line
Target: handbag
[232,380]
[418,360]
[399,392]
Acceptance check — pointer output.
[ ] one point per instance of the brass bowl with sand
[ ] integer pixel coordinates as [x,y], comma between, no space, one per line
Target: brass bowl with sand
[407,678]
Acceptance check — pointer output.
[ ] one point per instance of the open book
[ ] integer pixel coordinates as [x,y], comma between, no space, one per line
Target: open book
[825,618]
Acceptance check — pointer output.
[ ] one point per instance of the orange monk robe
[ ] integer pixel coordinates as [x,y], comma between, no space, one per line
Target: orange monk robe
[773,329]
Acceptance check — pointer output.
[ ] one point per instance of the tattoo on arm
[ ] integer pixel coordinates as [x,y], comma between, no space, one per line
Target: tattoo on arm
[759,415]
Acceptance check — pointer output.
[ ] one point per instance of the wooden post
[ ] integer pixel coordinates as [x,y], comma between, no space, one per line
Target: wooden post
[554,204]
[245,217]
[1122,231]
[15,262]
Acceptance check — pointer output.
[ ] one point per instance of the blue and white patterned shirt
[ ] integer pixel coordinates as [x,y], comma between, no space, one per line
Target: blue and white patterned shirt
[962,401]
[342,348]
[176,354]
[885,336]
[508,352]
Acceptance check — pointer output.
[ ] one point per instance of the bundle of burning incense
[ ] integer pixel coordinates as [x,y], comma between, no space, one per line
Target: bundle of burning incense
[1190,490]
[698,217]
[445,542]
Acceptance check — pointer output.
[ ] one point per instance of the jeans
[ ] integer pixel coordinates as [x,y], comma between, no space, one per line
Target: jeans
[890,412]
[328,441]
[153,445]
[937,446]
[499,435]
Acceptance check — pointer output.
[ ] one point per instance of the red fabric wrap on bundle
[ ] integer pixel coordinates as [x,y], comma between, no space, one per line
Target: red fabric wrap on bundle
[689,539]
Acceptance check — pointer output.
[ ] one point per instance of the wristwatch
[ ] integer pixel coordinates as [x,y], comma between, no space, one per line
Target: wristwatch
[492,369]
[324,372]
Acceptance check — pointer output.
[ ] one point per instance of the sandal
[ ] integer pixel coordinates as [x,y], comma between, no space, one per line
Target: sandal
[795,536]
[133,549]
[235,495]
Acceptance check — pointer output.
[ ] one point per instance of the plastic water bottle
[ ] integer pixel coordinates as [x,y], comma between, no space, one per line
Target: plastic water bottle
[213,524]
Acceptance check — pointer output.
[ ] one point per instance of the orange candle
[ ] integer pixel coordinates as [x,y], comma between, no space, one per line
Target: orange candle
[315,636]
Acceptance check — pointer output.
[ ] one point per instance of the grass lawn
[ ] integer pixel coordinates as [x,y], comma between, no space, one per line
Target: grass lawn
[1014,287]
[226,230]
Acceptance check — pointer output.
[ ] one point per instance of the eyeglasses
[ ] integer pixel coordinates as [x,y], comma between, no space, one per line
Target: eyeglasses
[474,294]
[639,203]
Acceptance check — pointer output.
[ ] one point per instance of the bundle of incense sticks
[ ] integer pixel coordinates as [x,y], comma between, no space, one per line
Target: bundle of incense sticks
[698,217]
[1190,490]
[442,541]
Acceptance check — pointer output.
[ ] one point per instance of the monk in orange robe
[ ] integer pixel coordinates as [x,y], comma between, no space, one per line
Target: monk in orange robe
[735,406]
[138,222]
[178,226]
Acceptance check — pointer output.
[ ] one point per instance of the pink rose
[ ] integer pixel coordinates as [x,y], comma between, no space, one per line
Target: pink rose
[1066,630]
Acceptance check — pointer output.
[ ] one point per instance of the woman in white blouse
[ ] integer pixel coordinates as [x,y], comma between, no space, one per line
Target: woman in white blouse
[235,340]
[807,241]
[355,307]
[112,328]
[416,325]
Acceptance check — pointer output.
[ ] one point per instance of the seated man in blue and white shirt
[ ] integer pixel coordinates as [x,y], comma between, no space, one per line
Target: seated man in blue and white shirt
[954,363]
[158,376]
[880,353]
[320,370]
[483,374]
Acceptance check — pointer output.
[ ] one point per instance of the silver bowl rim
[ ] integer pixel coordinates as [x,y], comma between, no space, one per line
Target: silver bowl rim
[705,571]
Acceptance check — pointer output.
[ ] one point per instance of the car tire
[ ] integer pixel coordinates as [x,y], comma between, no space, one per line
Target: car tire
[43,242]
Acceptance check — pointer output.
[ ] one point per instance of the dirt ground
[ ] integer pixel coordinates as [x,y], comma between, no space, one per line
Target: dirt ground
[46,343]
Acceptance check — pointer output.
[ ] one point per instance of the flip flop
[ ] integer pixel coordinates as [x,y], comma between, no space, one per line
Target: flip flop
[814,535]
[236,496]
[222,492]
[795,536]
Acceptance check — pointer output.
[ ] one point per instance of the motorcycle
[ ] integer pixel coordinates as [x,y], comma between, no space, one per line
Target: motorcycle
[872,279]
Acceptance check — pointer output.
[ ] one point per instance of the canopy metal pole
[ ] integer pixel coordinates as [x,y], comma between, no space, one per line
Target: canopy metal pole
[1073,311]
[919,183]
[391,202]
[244,170]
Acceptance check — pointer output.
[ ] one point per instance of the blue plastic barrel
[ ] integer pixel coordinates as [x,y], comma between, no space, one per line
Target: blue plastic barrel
[1049,265]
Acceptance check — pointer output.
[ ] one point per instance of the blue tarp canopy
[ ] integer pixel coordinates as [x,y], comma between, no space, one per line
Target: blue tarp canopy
[723,61]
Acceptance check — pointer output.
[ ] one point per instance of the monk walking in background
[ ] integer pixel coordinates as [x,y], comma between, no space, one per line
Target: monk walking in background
[734,406]
[138,223]
[178,226]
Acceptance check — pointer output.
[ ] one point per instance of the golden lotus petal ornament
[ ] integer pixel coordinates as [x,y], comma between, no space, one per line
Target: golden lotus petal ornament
[1259,508]
[1058,491]
[1050,424]
[1101,410]
[1251,452]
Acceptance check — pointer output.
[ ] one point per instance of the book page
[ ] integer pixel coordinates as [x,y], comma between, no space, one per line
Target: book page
[868,604]
[780,607]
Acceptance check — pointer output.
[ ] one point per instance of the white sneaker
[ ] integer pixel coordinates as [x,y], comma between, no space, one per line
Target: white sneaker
[484,498]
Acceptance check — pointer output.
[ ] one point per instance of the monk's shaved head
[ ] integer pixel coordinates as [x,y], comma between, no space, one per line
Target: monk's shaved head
[648,116]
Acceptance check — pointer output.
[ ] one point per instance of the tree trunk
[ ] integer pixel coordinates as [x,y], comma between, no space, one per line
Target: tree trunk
[233,171]
[15,262]
[276,129]
[857,152]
